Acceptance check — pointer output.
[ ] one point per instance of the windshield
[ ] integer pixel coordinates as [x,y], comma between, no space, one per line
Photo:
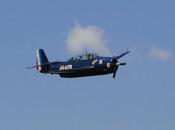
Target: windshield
[88,56]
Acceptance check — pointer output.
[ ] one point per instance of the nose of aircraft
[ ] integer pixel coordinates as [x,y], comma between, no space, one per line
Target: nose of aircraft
[116,64]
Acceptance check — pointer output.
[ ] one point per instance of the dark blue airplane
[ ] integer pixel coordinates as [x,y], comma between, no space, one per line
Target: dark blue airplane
[89,64]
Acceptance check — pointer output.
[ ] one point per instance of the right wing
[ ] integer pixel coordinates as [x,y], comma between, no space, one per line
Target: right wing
[123,54]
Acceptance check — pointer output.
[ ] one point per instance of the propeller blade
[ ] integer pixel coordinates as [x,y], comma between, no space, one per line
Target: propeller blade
[114,73]
[123,63]
[118,64]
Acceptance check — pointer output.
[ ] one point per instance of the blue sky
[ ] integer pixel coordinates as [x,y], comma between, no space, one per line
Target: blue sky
[142,96]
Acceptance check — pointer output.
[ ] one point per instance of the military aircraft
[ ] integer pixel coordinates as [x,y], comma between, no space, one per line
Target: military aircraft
[88,64]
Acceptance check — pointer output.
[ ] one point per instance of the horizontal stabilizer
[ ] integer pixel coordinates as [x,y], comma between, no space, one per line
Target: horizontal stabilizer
[35,66]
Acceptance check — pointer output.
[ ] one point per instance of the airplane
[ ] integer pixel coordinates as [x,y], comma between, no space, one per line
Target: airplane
[88,64]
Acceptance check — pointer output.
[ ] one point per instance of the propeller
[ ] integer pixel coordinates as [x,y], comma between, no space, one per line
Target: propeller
[114,73]
[115,62]
[116,68]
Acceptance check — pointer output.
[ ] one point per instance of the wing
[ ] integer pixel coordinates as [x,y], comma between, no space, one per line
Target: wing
[123,54]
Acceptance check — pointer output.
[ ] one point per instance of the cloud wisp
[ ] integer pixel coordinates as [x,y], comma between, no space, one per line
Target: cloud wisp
[87,37]
[160,54]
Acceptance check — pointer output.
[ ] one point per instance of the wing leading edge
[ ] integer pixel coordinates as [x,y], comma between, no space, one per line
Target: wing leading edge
[123,54]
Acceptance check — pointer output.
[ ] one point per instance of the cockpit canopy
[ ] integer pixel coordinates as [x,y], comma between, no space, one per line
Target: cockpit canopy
[88,56]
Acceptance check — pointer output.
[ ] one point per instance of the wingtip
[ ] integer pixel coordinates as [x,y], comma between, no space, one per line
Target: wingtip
[128,50]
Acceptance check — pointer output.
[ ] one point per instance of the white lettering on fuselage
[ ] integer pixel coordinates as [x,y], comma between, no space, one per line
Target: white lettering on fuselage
[65,67]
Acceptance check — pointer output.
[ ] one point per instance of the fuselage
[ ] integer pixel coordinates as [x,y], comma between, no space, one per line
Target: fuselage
[82,67]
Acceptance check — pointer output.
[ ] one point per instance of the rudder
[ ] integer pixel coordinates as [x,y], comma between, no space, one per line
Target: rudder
[42,61]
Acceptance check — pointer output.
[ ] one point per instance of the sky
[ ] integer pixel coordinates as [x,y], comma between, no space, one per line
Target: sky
[140,98]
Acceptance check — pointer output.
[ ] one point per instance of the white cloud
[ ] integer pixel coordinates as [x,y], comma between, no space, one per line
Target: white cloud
[87,37]
[160,54]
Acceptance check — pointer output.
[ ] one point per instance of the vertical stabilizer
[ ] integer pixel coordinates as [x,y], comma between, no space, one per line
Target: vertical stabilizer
[42,61]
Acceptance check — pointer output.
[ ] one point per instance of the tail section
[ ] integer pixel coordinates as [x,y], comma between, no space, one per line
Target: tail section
[42,62]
